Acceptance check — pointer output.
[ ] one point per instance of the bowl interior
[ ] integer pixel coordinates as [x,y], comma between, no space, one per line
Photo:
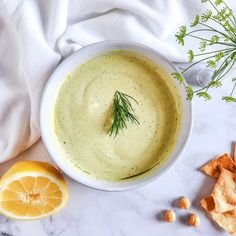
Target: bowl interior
[47,115]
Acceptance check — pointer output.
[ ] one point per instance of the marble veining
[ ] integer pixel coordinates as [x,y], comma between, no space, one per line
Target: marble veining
[139,212]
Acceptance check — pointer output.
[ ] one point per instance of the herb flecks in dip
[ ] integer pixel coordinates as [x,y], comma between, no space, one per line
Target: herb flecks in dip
[83,114]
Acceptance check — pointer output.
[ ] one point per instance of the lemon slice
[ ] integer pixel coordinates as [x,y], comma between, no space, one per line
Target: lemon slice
[32,190]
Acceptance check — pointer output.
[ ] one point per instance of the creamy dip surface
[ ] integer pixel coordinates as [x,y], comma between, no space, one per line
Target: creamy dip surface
[83,116]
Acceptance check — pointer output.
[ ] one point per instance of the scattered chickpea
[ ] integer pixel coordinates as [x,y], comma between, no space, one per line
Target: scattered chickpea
[184,203]
[194,220]
[169,216]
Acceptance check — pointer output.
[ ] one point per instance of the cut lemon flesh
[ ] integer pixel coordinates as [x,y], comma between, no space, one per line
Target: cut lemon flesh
[32,190]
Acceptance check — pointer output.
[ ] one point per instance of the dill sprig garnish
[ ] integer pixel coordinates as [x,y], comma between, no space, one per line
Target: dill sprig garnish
[221,60]
[122,113]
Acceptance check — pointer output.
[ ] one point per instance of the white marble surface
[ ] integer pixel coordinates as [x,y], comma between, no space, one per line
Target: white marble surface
[139,212]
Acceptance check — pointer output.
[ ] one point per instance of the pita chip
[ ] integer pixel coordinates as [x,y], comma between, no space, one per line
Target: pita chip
[234,152]
[224,193]
[214,167]
[226,220]
[221,204]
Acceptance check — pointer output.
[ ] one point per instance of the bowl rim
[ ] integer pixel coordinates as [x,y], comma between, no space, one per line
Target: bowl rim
[139,182]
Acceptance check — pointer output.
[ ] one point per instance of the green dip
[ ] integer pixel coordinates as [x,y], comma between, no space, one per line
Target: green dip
[83,115]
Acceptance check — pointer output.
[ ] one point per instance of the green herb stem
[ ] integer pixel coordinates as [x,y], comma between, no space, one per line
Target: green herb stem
[221,50]
[198,30]
[233,89]
[222,67]
[195,63]
[208,40]
[217,31]
[227,71]
[230,34]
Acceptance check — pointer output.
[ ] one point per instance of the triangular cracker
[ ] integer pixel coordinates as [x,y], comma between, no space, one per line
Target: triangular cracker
[214,167]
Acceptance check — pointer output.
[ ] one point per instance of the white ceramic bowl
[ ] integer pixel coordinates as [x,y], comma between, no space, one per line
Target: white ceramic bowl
[47,115]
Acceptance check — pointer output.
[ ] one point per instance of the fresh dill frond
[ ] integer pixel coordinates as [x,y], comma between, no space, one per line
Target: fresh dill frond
[123,112]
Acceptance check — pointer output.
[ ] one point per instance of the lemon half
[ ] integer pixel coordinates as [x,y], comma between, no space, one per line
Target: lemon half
[32,190]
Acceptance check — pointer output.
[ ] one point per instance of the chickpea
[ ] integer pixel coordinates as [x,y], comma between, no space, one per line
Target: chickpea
[169,216]
[184,203]
[194,220]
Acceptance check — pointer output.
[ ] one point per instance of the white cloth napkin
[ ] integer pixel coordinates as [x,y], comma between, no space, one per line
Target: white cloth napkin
[35,35]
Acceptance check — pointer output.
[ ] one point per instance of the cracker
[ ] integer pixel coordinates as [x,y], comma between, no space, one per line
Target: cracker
[223,197]
[234,152]
[226,220]
[221,204]
[214,167]
[224,193]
